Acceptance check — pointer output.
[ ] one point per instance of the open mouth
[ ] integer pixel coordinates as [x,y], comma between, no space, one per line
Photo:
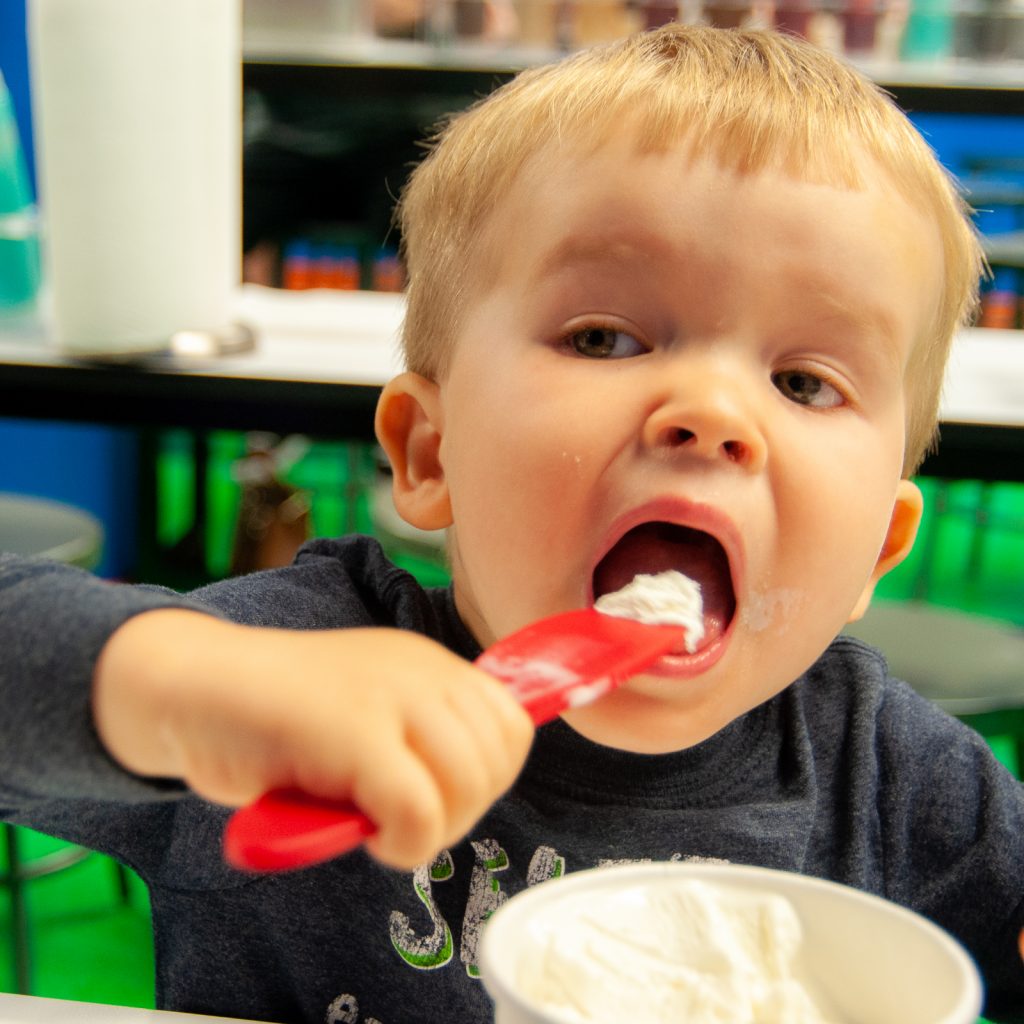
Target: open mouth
[659,546]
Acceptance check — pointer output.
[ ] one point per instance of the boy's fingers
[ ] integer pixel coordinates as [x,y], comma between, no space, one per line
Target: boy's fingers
[407,809]
[467,764]
[426,799]
[498,726]
[497,736]
[455,756]
[516,726]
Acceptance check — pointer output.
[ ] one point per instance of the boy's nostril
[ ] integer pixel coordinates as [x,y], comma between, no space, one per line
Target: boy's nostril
[681,435]
[735,450]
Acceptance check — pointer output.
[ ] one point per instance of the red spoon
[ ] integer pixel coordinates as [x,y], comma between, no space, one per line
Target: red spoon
[560,662]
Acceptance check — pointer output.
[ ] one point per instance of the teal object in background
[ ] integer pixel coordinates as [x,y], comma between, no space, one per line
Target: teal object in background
[14,66]
[929,31]
[19,245]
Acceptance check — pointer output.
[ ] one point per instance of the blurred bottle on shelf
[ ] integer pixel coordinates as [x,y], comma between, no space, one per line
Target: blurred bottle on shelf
[297,266]
[794,17]
[537,20]
[659,12]
[929,31]
[1001,299]
[337,267]
[912,30]
[397,19]
[860,24]
[989,30]
[1001,293]
[603,21]
[342,261]
[388,274]
[727,13]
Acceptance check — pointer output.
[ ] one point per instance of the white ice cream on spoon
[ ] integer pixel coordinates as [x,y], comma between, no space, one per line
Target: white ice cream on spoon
[664,598]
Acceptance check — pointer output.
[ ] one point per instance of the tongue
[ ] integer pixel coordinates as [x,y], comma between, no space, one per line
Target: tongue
[657,547]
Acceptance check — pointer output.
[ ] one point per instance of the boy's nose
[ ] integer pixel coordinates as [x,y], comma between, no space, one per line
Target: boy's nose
[712,424]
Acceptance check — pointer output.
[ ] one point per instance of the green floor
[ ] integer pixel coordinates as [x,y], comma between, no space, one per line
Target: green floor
[87,943]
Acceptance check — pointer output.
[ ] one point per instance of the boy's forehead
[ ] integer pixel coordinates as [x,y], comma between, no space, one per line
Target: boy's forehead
[604,208]
[591,188]
[555,165]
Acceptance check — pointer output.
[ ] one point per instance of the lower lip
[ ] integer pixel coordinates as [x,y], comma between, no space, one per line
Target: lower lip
[686,666]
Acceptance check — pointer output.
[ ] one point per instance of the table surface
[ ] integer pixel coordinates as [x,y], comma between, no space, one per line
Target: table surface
[321,357]
[37,1010]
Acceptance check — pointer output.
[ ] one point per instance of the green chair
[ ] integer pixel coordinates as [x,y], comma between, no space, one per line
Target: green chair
[34,526]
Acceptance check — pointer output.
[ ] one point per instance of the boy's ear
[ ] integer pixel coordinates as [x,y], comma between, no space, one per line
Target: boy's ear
[409,425]
[899,539]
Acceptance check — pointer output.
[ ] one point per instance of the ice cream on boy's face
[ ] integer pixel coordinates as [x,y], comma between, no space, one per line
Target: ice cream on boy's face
[659,368]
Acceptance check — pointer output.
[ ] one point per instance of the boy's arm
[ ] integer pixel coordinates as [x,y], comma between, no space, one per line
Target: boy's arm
[54,621]
[420,739]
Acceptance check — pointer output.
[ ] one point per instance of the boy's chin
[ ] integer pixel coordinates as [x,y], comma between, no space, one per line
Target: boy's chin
[648,715]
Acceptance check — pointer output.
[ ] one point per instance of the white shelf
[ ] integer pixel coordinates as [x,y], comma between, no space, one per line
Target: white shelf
[946,74]
[295,46]
[343,50]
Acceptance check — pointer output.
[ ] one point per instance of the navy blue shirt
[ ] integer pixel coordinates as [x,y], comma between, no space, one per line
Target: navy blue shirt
[846,775]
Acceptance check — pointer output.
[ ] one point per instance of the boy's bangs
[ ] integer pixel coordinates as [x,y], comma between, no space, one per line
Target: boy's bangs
[750,100]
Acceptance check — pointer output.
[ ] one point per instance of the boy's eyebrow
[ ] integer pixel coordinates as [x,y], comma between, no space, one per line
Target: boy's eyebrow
[605,247]
[869,318]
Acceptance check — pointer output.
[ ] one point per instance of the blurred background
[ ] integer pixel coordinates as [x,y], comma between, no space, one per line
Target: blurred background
[338,95]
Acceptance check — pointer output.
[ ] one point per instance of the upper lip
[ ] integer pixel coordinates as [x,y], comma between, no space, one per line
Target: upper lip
[680,512]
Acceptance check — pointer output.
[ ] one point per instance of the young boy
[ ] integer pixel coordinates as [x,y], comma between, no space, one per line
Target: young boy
[680,302]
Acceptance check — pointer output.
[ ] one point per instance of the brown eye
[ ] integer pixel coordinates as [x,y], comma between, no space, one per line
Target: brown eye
[807,389]
[604,343]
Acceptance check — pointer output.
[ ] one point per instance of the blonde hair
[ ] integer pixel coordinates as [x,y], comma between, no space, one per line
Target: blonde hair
[750,99]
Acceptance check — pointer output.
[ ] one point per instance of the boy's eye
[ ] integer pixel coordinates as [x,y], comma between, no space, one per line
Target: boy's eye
[604,343]
[807,389]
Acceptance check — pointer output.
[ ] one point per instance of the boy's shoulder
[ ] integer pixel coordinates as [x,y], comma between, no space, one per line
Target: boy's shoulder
[332,583]
[337,583]
[849,692]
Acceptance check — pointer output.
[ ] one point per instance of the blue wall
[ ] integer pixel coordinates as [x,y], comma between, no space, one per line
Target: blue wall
[94,468]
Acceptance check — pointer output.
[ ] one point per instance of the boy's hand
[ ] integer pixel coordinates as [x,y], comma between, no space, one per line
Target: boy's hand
[421,740]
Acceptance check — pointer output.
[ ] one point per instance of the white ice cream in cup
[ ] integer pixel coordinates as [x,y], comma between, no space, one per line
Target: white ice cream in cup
[710,944]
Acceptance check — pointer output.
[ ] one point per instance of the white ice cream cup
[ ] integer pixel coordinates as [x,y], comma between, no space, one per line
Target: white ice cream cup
[874,961]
